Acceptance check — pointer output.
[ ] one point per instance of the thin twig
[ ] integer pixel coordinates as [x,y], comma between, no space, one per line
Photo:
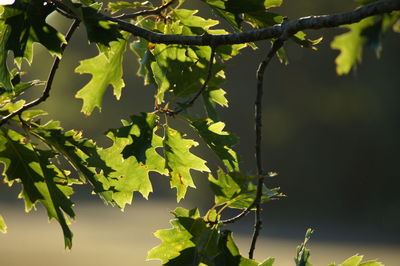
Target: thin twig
[201,90]
[46,91]
[155,11]
[258,124]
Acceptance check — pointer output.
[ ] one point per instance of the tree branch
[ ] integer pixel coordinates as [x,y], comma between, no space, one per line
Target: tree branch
[276,31]
[258,126]
[155,11]
[46,91]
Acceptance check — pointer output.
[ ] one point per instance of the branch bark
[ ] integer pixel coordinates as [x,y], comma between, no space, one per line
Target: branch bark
[290,27]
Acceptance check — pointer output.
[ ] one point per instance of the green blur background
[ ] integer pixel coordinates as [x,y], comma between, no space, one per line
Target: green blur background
[333,140]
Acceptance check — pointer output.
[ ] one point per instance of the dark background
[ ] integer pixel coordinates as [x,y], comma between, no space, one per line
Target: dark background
[333,140]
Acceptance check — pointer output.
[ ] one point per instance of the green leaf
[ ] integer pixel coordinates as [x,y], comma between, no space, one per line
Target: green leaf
[105,71]
[303,254]
[221,142]
[119,5]
[179,161]
[369,31]
[300,39]
[81,153]
[237,191]
[100,30]
[132,156]
[192,241]
[211,97]
[41,180]
[27,22]
[3,226]
[177,69]
[255,12]
[356,261]
[5,77]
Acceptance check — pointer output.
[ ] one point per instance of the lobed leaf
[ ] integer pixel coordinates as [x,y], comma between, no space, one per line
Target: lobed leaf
[356,261]
[27,24]
[369,31]
[179,161]
[220,141]
[237,191]
[132,156]
[191,241]
[254,12]
[105,71]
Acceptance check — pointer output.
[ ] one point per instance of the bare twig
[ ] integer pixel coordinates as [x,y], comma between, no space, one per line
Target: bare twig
[46,91]
[155,11]
[258,126]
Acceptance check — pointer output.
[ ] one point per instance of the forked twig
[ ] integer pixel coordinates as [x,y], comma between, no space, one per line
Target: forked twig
[258,123]
[47,89]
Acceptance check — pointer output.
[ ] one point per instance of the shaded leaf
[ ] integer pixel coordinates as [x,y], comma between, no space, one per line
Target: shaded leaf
[179,161]
[220,141]
[82,154]
[255,12]
[27,22]
[42,181]
[99,30]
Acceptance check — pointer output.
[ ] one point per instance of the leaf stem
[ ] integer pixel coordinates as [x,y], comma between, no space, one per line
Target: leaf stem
[47,89]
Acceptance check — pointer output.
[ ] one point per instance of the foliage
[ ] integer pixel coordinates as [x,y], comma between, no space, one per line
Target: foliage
[34,153]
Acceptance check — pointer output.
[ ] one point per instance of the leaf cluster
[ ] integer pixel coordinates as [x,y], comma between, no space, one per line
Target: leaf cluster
[48,162]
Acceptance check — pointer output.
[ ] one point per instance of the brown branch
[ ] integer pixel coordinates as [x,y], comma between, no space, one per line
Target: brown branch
[155,11]
[276,31]
[258,124]
[46,91]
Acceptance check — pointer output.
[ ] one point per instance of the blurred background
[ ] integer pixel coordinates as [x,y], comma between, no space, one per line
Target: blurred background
[333,140]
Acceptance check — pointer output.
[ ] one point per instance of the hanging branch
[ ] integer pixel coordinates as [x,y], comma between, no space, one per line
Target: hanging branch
[155,11]
[258,127]
[47,89]
[276,31]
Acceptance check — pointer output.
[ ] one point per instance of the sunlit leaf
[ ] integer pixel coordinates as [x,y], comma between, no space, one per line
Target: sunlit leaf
[180,161]
[237,190]
[3,226]
[105,71]
[368,31]
[191,241]
[132,156]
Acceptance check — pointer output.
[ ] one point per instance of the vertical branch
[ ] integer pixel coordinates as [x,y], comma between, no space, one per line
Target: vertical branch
[258,128]
[46,91]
